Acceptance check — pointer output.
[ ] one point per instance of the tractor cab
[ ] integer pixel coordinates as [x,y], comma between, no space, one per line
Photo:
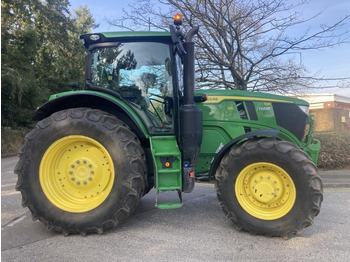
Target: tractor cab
[153,73]
[139,70]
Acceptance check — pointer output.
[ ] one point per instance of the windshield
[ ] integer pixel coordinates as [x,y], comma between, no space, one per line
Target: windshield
[141,73]
[146,65]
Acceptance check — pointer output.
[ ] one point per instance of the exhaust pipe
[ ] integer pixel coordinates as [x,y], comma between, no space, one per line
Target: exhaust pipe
[191,130]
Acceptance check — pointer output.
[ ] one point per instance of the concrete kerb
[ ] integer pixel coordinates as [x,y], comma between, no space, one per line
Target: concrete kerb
[335,178]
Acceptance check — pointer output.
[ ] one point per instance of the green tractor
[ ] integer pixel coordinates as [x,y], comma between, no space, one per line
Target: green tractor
[139,124]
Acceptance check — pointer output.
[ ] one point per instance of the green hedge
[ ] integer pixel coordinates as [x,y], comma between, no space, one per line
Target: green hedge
[335,150]
[12,140]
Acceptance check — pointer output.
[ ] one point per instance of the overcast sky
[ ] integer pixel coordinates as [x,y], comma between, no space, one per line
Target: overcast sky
[331,63]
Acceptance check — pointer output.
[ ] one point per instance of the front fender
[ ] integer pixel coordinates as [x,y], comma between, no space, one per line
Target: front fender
[258,133]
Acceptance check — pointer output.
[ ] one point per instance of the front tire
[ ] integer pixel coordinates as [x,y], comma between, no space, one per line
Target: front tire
[269,187]
[81,170]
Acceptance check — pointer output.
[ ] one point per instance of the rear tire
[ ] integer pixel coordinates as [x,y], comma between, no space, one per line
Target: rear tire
[80,171]
[269,187]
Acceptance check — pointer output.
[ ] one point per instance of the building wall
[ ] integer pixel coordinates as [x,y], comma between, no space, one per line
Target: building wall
[331,112]
[342,119]
[331,119]
[323,119]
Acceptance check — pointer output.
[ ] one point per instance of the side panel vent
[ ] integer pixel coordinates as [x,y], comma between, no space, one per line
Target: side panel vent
[251,110]
[241,110]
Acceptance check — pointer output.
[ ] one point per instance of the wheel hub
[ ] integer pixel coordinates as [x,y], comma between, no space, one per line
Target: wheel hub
[76,173]
[84,172]
[265,191]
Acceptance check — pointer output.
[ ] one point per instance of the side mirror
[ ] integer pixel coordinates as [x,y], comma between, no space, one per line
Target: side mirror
[177,38]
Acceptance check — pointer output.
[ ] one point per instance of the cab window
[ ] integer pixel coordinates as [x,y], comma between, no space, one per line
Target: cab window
[141,73]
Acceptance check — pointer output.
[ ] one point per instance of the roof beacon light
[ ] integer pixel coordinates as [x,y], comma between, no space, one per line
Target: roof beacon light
[178,19]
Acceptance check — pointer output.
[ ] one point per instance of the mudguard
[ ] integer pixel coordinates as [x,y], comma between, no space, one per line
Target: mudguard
[93,99]
[233,142]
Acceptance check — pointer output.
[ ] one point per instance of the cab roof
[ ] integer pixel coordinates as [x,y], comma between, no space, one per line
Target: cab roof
[121,36]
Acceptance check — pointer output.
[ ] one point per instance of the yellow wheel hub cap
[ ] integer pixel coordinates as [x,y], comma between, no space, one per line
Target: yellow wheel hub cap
[265,191]
[76,174]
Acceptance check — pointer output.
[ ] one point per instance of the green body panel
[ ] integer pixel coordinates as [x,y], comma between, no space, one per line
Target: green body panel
[313,149]
[114,99]
[222,122]
[312,146]
[165,148]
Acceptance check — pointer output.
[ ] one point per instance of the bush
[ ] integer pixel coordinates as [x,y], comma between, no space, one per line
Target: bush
[335,150]
[12,140]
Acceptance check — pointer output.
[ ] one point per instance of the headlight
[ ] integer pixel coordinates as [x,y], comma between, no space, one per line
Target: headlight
[305,109]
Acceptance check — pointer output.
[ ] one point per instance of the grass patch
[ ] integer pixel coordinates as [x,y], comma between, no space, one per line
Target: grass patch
[335,150]
[12,140]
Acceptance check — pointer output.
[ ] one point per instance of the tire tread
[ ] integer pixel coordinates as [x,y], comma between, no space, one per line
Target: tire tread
[283,147]
[136,182]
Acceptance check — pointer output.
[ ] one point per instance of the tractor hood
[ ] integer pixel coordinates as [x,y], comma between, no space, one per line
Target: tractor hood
[217,96]
[249,111]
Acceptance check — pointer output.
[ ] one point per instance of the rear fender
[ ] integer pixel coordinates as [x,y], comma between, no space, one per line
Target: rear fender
[95,100]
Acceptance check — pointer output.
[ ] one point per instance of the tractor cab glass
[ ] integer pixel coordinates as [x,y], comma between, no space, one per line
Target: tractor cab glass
[179,71]
[141,73]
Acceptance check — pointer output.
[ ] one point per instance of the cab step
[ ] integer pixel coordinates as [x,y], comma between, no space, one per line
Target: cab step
[169,205]
[168,168]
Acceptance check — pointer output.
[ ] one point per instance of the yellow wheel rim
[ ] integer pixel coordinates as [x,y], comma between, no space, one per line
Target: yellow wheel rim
[76,174]
[265,191]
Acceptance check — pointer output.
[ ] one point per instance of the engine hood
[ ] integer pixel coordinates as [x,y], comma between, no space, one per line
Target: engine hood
[217,96]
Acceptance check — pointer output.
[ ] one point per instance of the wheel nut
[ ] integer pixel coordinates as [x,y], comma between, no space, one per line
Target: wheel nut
[78,162]
[89,165]
[73,178]
[84,182]
[84,161]
[90,178]
[78,182]
[91,172]
[72,165]
[70,172]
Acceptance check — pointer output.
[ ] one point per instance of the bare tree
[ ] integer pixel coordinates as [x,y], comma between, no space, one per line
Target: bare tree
[243,44]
